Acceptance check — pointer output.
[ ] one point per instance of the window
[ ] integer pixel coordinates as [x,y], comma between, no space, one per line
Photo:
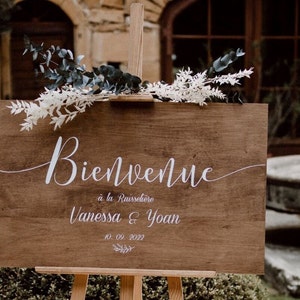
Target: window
[195,32]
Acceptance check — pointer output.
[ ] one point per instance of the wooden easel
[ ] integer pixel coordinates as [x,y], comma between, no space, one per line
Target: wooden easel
[131,279]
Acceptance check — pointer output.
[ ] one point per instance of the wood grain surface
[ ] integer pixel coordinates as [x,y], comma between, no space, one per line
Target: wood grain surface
[162,186]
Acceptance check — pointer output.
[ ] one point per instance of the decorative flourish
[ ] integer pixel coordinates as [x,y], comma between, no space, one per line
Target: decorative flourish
[122,248]
[73,89]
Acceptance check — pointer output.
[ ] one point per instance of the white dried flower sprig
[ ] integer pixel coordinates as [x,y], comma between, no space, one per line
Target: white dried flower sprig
[61,105]
[232,79]
[194,88]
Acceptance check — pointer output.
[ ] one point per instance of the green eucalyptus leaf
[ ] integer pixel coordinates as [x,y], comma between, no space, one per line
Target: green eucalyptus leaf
[34,55]
[79,68]
[86,80]
[239,52]
[222,63]
[51,74]
[48,57]
[70,71]
[70,53]
[65,64]
[79,58]
[62,53]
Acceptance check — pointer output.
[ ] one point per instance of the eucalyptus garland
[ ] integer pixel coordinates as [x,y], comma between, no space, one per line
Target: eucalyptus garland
[61,68]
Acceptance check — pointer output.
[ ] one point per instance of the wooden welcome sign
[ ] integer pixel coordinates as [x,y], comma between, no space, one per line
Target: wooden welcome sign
[154,186]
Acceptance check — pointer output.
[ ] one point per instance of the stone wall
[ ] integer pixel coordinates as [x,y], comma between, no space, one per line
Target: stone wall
[101,34]
[101,31]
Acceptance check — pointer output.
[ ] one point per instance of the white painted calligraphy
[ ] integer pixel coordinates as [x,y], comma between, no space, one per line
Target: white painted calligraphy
[133,173]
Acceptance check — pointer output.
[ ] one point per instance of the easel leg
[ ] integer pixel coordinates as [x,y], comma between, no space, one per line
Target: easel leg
[175,288]
[79,287]
[131,288]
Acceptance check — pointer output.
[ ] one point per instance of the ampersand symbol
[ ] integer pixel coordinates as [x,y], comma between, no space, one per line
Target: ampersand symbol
[133,216]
